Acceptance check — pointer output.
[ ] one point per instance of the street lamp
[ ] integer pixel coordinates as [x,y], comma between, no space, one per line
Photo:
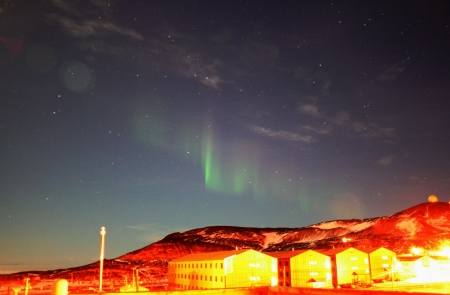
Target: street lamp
[102,255]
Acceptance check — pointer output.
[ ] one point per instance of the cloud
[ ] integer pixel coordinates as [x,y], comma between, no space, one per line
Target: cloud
[139,227]
[391,73]
[386,160]
[93,28]
[309,109]
[96,34]
[319,130]
[194,68]
[284,135]
[342,119]
[372,130]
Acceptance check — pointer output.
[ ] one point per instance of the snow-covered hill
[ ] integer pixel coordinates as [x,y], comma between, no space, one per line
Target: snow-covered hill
[426,225]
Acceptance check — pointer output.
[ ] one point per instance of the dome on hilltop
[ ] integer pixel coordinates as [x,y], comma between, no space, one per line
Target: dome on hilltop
[432,199]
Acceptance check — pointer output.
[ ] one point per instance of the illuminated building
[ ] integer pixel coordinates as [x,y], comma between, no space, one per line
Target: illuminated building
[424,267]
[224,269]
[303,268]
[348,265]
[381,261]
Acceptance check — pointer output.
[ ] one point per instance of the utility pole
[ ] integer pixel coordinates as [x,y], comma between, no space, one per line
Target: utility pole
[392,272]
[102,255]
[27,285]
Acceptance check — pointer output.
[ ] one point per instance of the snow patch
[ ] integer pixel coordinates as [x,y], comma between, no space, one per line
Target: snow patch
[360,226]
[327,225]
[272,238]
[409,225]
[351,227]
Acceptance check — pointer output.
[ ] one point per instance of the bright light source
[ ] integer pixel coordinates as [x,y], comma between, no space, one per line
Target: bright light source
[416,250]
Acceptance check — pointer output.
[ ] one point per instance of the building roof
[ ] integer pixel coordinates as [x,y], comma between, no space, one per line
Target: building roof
[369,250]
[286,254]
[335,251]
[220,255]
[409,257]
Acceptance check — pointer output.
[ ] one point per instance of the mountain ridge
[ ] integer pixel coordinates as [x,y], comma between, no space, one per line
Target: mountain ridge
[426,225]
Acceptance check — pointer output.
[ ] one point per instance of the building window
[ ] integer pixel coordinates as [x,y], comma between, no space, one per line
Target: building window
[221,279]
[210,265]
[313,262]
[354,258]
[221,265]
[216,278]
[286,263]
[210,278]
[201,277]
[280,263]
[216,264]
[287,274]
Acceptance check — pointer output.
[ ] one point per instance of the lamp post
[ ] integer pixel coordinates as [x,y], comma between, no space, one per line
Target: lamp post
[102,255]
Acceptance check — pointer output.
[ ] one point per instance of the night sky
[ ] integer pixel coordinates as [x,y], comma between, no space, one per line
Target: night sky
[152,117]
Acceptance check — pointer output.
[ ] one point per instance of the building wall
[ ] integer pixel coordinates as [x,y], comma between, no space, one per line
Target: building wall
[381,261]
[349,262]
[284,272]
[250,268]
[196,275]
[311,269]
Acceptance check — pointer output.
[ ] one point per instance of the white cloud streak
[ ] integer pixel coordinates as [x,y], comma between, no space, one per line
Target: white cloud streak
[386,160]
[282,134]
